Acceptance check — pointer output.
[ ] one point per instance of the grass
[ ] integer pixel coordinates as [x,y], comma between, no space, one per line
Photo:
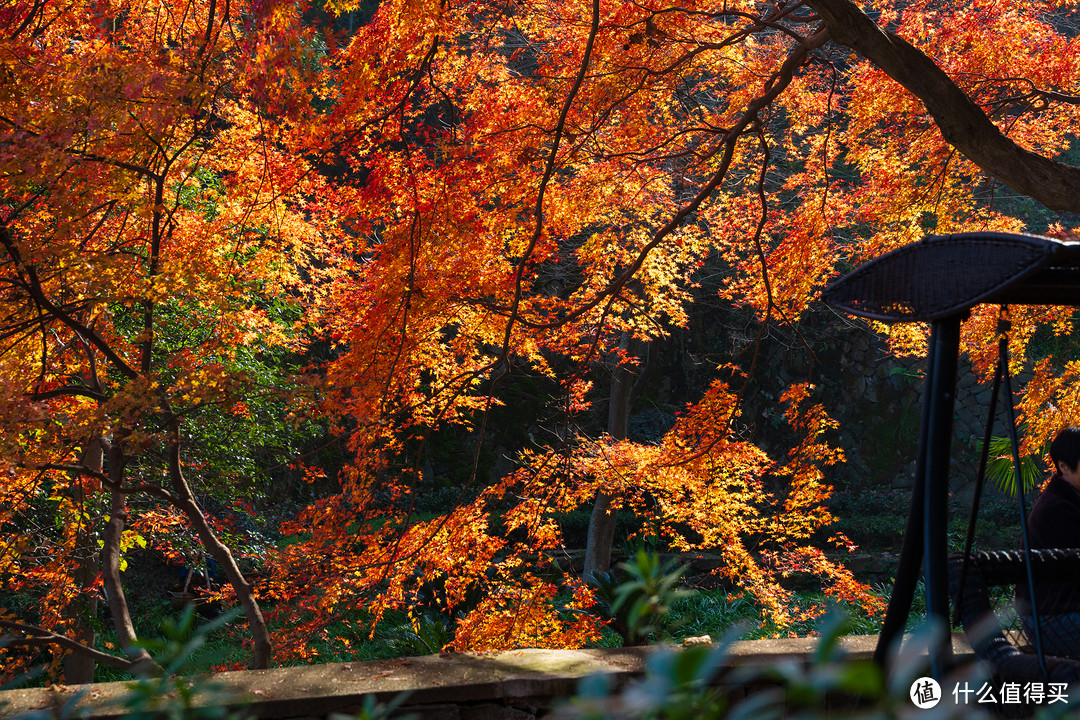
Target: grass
[217,647]
[714,613]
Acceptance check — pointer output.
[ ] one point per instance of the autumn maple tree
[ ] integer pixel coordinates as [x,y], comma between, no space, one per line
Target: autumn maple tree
[451,196]
[154,233]
[543,181]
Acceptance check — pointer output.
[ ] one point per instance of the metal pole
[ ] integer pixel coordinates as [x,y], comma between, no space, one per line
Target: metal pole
[980,478]
[1014,441]
[909,565]
[945,337]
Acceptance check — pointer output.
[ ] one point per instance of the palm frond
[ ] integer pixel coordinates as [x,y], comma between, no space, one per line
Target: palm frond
[1000,470]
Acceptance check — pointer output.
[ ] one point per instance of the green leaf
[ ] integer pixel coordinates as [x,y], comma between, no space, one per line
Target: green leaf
[1001,471]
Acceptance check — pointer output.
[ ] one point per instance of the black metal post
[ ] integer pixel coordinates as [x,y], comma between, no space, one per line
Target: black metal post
[925,535]
[945,337]
[909,565]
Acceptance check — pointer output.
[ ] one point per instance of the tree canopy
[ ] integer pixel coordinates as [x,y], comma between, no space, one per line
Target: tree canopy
[231,214]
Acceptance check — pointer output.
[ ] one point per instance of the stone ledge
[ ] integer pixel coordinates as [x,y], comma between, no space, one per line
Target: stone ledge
[510,685]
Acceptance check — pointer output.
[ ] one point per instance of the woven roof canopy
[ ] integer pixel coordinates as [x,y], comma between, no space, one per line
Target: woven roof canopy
[945,275]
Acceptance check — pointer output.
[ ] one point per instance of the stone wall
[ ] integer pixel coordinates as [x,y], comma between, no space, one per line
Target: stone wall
[510,685]
[877,399]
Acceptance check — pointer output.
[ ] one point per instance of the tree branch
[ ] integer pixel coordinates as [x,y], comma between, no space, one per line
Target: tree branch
[38,294]
[155,490]
[963,124]
[68,391]
[41,636]
[184,500]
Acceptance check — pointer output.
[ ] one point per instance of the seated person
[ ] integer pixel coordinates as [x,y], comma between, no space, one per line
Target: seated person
[1054,522]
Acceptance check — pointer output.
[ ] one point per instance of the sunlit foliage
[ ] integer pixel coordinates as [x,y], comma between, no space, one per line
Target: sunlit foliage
[194,194]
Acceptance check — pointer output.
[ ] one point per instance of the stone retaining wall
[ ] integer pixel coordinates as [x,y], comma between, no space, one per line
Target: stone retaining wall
[512,685]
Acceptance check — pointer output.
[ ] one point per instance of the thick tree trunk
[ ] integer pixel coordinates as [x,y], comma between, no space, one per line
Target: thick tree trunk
[184,500]
[79,667]
[624,389]
[110,561]
[601,536]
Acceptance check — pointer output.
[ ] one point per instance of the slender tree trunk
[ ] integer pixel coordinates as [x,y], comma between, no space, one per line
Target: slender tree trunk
[624,389]
[184,499]
[110,560]
[79,667]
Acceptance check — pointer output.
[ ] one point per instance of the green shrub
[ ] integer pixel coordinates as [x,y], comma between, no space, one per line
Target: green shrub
[639,597]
